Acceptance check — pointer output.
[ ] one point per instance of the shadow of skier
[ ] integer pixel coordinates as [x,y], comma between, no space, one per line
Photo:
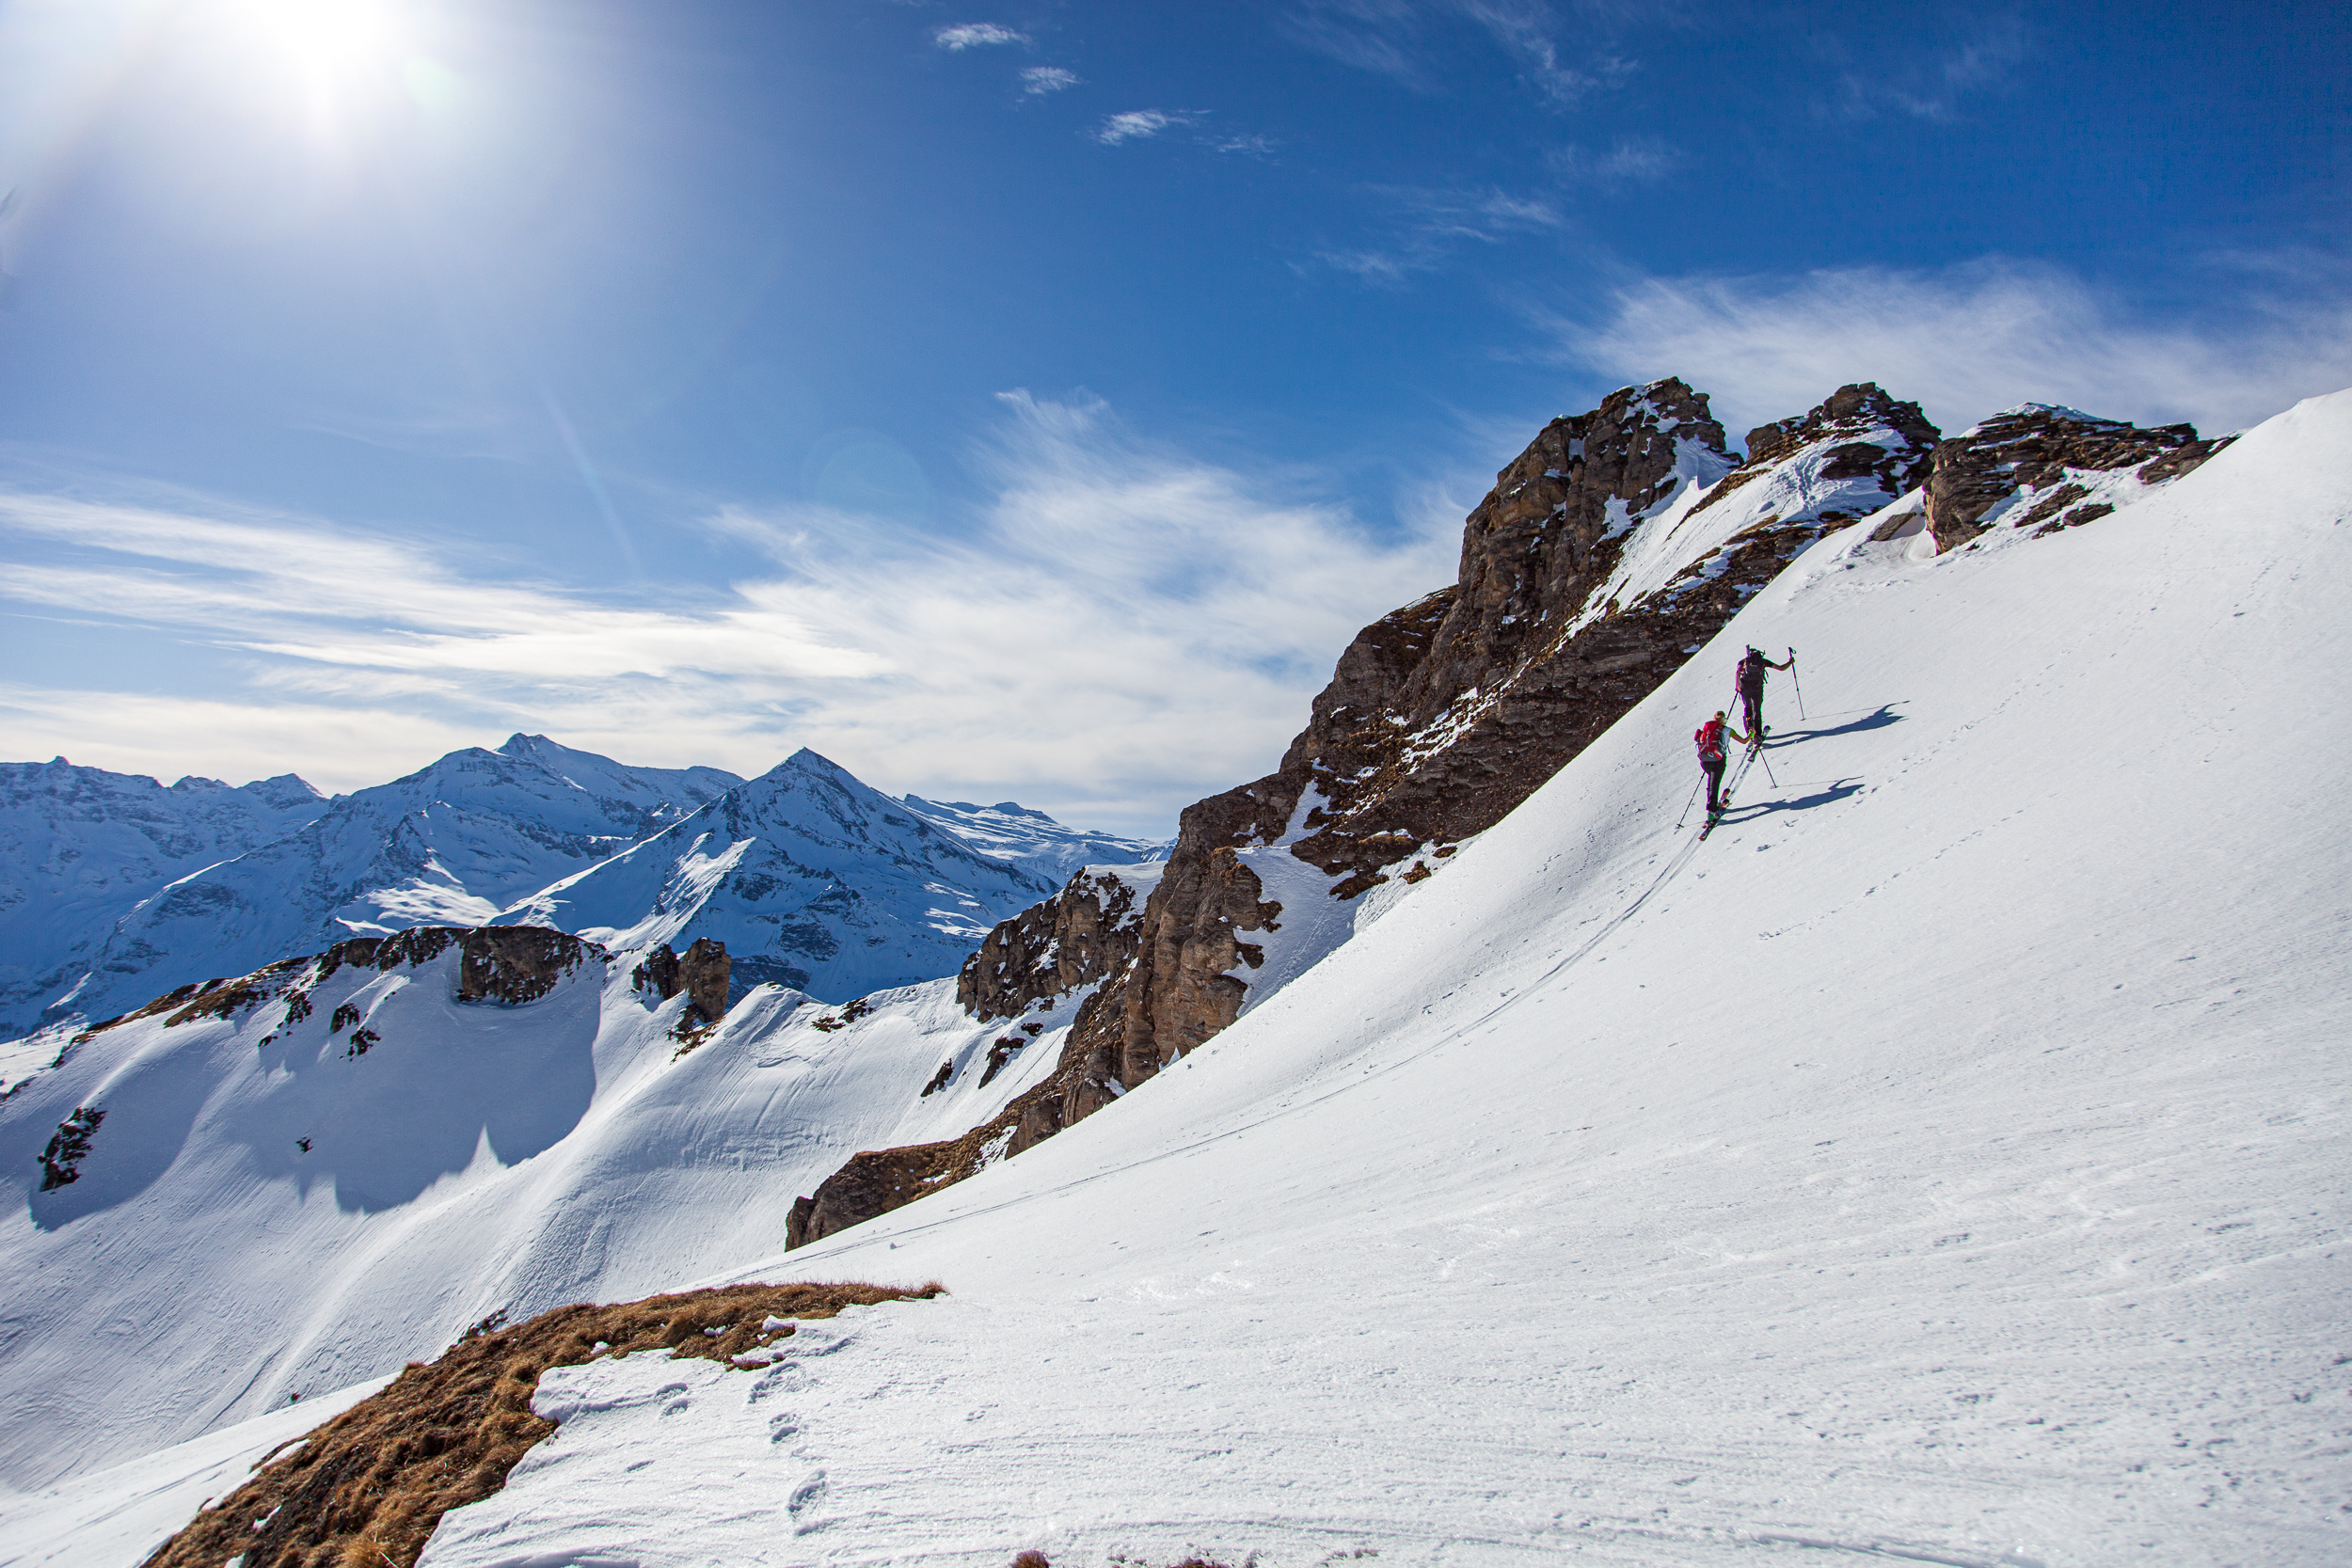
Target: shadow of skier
[1877,720]
[1755,810]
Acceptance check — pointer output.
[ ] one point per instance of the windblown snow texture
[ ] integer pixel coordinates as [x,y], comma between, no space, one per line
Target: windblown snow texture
[451,844]
[79,845]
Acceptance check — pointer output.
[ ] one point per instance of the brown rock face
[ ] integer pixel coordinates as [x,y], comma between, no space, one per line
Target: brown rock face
[1441,719]
[510,964]
[515,964]
[2031,449]
[1080,935]
[702,973]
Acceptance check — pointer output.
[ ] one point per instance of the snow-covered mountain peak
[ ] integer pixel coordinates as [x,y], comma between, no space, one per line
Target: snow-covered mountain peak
[454,843]
[1014,832]
[79,845]
[812,879]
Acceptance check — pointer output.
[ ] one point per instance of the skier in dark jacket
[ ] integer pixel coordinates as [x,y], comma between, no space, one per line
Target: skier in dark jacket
[1709,739]
[1752,688]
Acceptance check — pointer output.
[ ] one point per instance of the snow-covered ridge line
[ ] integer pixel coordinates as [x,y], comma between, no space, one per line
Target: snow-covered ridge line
[79,845]
[849,891]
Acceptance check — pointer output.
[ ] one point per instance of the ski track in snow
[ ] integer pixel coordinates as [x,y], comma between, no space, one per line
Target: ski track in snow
[1942,1163]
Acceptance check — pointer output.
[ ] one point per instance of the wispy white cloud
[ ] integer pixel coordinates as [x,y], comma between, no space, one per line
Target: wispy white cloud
[1038,80]
[1626,160]
[976,35]
[1930,79]
[1400,39]
[1971,340]
[1122,629]
[1135,124]
[1432,225]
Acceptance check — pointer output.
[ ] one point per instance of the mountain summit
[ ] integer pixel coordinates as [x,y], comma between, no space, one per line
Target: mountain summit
[812,879]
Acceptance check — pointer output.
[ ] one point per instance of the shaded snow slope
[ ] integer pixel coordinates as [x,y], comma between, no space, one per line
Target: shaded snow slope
[451,844]
[79,845]
[1943,1161]
[1031,839]
[466,1158]
[118,1518]
[812,878]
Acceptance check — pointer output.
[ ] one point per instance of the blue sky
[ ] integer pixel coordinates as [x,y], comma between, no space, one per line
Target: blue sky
[1022,400]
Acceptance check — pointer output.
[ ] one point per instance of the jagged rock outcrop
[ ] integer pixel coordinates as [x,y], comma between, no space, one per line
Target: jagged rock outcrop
[1082,934]
[1571,606]
[511,965]
[2042,464]
[702,972]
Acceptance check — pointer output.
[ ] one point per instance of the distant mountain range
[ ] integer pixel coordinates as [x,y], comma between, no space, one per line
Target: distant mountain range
[115,889]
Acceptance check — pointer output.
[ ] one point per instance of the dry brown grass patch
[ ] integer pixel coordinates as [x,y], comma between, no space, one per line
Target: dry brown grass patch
[366,1489]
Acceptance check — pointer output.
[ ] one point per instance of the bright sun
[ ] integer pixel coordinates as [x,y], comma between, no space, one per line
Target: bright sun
[334,50]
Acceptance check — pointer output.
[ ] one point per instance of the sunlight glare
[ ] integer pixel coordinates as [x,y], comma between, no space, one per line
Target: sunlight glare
[334,50]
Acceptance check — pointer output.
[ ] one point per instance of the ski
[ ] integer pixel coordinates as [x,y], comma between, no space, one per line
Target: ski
[1712,817]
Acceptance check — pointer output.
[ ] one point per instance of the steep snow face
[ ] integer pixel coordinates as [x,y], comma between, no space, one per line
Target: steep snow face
[1943,1161]
[341,1172]
[812,878]
[78,846]
[451,844]
[1031,839]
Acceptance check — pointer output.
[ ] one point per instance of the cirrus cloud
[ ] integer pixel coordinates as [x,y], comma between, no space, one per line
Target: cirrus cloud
[1118,629]
[976,35]
[1136,124]
[1967,340]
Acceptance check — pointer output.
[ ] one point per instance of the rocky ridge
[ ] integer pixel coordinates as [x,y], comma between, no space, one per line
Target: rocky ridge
[2042,467]
[1616,543]
[1610,552]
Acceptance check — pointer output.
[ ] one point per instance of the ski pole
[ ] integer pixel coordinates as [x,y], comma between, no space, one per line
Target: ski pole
[1798,685]
[1686,806]
[1768,766]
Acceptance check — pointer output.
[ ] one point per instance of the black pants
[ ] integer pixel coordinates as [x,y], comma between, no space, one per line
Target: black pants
[1714,766]
[1752,703]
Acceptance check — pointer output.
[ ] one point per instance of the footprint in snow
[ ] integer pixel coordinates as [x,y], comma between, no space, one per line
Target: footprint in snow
[804,1498]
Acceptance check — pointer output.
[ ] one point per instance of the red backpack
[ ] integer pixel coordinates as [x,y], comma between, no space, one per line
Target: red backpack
[1710,736]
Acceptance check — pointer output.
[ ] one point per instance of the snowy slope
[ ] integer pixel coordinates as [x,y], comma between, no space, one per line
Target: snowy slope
[473,1157]
[79,845]
[812,878]
[1031,839]
[453,844]
[1944,1162]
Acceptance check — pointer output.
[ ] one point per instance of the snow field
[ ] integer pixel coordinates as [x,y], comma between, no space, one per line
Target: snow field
[119,1515]
[1944,1161]
[477,1158]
